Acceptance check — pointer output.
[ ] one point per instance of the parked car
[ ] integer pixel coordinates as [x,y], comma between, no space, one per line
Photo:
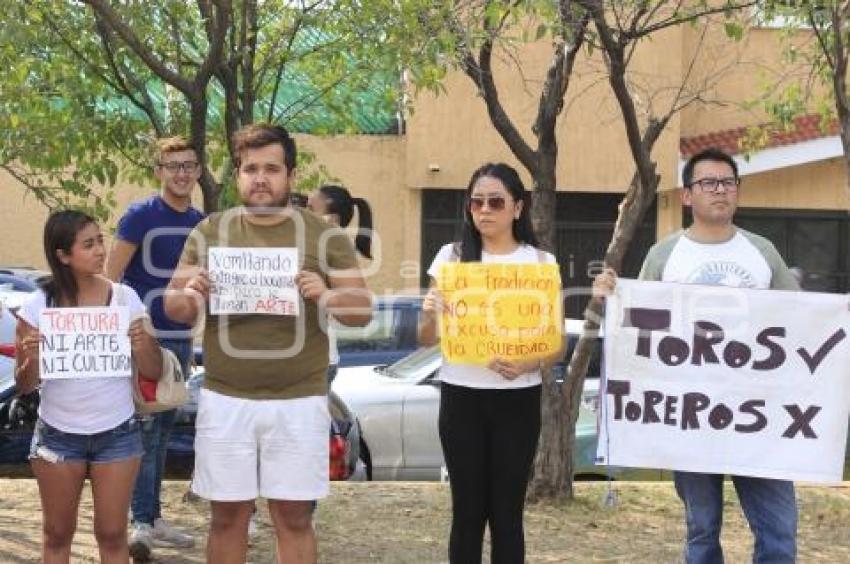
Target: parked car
[398,405]
[387,338]
[9,300]
[32,275]
[16,283]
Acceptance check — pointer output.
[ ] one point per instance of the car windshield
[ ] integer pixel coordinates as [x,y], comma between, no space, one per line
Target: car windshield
[378,334]
[418,364]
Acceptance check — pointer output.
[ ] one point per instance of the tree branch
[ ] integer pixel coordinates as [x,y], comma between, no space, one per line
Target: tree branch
[559,73]
[678,19]
[839,75]
[480,72]
[145,103]
[282,65]
[248,49]
[114,21]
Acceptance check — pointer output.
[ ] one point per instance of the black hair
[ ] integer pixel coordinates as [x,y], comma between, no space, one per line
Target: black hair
[523,232]
[258,135]
[710,154]
[297,200]
[340,202]
[60,232]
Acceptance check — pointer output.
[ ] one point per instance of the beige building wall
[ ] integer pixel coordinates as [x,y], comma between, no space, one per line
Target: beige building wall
[815,186]
[370,166]
[453,131]
[23,216]
[733,75]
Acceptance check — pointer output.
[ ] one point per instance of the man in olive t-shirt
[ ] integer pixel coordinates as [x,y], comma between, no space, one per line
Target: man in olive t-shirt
[262,423]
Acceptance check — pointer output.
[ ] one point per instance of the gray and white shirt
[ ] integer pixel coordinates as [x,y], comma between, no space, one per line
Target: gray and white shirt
[746,260]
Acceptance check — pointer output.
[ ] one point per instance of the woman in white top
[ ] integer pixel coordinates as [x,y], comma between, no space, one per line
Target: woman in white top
[489,415]
[85,425]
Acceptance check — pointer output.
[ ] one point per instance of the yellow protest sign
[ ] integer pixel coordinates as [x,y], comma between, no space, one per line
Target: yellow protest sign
[507,311]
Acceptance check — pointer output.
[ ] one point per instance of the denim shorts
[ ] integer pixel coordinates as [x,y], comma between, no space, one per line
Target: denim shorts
[120,443]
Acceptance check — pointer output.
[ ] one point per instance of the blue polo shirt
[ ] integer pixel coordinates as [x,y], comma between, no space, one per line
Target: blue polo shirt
[159,232]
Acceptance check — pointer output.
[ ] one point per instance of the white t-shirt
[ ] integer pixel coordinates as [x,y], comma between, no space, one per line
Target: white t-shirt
[88,406]
[736,262]
[474,376]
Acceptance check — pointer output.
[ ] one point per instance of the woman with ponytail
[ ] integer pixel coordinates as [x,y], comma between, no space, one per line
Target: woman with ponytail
[336,205]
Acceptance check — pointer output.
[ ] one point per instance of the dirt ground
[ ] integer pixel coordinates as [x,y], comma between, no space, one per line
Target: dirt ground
[397,522]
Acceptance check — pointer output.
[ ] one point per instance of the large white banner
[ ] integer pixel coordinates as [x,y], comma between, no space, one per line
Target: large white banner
[84,342]
[726,380]
[253,280]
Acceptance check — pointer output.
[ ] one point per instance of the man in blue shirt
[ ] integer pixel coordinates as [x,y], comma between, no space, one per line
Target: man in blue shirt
[147,246]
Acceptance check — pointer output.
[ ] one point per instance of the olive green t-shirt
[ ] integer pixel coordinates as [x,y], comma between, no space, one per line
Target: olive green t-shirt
[269,356]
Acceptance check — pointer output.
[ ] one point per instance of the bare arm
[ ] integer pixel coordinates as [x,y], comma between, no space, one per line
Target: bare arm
[119,257]
[428,333]
[347,299]
[186,295]
[27,340]
[146,352]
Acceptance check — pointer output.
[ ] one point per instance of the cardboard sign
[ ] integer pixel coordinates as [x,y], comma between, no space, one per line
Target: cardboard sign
[507,311]
[726,380]
[84,342]
[251,280]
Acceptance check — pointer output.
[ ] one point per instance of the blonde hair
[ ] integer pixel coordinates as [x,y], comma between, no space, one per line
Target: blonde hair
[172,145]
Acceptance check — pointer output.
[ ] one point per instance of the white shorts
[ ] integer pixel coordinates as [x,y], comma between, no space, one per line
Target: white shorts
[246,448]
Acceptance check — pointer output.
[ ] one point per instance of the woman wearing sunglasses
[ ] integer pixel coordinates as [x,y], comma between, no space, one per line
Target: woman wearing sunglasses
[489,415]
[85,425]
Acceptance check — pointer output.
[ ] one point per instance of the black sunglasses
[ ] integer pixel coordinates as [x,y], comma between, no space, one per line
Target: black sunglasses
[495,203]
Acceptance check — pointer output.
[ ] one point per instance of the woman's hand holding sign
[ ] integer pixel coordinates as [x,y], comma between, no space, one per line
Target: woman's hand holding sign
[27,339]
[146,351]
[513,369]
[432,306]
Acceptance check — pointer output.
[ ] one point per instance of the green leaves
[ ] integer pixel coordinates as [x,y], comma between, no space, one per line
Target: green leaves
[79,107]
[734,30]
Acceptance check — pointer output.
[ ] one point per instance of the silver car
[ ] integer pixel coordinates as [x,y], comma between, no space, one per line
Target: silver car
[398,405]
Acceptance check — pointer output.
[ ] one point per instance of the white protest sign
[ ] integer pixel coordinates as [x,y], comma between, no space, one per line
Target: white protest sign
[84,342]
[726,380]
[253,280]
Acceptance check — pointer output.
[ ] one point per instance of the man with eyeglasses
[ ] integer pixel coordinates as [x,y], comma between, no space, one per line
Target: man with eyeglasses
[148,243]
[713,251]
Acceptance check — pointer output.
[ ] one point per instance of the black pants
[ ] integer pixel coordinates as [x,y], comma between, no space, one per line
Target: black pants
[489,438]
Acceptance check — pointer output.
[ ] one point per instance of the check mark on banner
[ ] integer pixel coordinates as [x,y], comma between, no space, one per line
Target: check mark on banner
[813,361]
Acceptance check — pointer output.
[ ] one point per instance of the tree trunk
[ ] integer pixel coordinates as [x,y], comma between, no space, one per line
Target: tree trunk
[550,477]
[634,206]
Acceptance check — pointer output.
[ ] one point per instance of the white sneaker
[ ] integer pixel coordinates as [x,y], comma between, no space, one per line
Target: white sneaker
[165,535]
[141,542]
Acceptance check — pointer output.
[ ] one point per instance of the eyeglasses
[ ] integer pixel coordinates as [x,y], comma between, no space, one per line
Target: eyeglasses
[712,185]
[495,203]
[185,166]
